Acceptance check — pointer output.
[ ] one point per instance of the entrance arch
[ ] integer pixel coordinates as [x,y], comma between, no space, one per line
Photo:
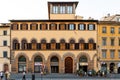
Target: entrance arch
[83,63]
[68,65]
[21,64]
[37,64]
[54,63]
[6,68]
[112,66]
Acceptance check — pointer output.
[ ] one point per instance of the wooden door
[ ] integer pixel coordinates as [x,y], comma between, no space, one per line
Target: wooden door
[68,65]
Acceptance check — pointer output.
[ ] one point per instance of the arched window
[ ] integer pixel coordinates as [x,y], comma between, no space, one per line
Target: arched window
[54,62]
[53,44]
[62,44]
[43,44]
[24,44]
[83,59]
[16,45]
[91,44]
[21,64]
[24,26]
[33,26]
[34,44]
[38,59]
[81,44]
[37,64]
[72,44]
[54,59]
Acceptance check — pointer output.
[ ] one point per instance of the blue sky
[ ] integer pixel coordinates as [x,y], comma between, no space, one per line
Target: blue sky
[37,9]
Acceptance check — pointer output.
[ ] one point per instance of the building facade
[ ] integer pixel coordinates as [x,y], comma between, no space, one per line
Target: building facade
[109,45]
[62,44]
[5,47]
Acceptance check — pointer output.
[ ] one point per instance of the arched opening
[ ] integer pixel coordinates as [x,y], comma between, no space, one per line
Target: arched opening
[62,44]
[24,44]
[34,44]
[91,44]
[53,44]
[68,65]
[83,63]
[118,68]
[81,44]
[72,44]
[54,63]
[6,68]
[38,64]
[103,66]
[21,64]
[15,44]
[43,44]
[112,67]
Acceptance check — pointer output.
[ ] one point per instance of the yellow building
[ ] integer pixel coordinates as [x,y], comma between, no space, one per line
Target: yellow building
[109,45]
[5,47]
[63,44]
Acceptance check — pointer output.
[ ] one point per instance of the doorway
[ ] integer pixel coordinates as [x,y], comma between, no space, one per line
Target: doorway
[68,65]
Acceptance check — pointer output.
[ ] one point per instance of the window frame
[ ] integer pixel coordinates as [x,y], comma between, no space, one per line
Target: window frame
[5,54]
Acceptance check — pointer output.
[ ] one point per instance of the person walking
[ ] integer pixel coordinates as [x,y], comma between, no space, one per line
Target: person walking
[1,75]
[23,76]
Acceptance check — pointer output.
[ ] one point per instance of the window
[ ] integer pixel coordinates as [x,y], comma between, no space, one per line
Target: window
[34,44]
[104,53]
[118,53]
[91,27]
[112,41]
[119,41]
[81,44]
[62,26]
[118,19]
[33,26]
[24,27]
[72,44]
[53,44]
[62,44]
[4,54]
[43,44]
[119,30]
[112,30]
[69,10]
[5,43]
[71,27]
[81,26]
[14,26]
[103,29]
[91,44]
[15,44]
[112,53]
[53,27]
[104,41]
[62,9]
[55,9]
[5,32]
[43,27]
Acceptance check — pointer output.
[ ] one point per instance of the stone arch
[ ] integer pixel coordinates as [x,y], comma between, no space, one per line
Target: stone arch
[83,54]
[95,55]
[16,61]
[91,40]
[72,62]
[38,54]
[72,40]
[49,61]
[81,40]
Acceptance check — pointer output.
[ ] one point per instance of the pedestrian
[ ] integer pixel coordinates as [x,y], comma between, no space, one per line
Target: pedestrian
[23,76]
[1,75]
[33,76]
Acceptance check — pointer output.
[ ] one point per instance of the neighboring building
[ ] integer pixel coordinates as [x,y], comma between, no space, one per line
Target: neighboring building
[5,47]
[112,18]
[63,44]
[109,45]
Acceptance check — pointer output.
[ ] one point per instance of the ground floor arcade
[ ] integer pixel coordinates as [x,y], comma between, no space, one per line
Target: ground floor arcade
[53,62]
[110,66]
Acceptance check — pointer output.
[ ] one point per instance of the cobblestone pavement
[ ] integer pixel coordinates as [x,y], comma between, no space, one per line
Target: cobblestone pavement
[64,77]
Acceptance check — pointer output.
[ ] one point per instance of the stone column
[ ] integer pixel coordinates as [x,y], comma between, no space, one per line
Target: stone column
[116,67]
[62,66]
[108,67]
